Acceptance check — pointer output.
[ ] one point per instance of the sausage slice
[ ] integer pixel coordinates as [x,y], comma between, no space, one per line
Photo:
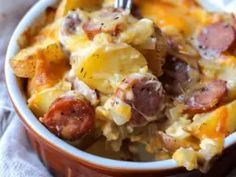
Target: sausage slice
[176,76]
[137,119]
[217,37]
[145,95]
[108,20]
[207,97]
[148,95]
[70,118]
[91,29]
[168,142]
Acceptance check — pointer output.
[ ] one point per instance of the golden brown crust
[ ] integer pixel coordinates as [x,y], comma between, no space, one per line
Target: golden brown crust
[70,118]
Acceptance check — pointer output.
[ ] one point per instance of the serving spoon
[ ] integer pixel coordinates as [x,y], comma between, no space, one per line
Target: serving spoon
[123,4]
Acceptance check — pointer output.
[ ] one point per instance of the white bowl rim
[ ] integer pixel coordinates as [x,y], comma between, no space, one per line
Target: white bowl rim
[31,120]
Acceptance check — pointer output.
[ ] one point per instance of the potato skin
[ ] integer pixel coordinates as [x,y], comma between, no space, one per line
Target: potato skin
[156,58]
[24,63]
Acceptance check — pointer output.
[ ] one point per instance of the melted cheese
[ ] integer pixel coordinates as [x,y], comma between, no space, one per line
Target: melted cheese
[183,15]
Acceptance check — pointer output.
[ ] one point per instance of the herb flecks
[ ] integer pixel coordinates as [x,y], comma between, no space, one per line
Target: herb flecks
[82,69]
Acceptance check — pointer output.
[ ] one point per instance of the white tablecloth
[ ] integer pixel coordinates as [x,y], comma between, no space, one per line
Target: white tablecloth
[16,156]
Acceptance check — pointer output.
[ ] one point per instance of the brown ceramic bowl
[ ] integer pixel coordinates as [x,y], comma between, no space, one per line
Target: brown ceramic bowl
[62,159]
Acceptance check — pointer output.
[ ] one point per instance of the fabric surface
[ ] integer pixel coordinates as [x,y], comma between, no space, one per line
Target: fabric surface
[16,156]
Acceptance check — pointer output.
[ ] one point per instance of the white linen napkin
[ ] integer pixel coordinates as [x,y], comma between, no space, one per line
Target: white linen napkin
[16,156]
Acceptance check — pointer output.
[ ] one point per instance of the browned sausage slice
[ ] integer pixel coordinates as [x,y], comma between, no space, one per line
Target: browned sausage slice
[137,119]
[148,96]
[168,142]
[217,37]
[108,20]
[91,29]
[145,95]
[207,97]
[176,76]
[70,118]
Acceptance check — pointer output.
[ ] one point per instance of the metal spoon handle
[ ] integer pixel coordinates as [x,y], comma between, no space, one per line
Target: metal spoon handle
[123,4]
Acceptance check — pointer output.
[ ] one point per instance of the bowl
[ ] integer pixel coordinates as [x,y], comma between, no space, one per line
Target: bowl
[61,158]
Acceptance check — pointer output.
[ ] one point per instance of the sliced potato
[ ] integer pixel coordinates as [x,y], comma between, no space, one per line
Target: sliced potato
[66,5]
[137,33]
[153,48]
[40,102]
[24,63]
[216,124]
[186,157]
[47,74]
[105,66]
[74,42]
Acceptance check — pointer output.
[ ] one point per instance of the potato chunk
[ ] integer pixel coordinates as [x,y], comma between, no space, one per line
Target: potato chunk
[105,66]
[40,102]
[24,63]
[150,41]
[216,124]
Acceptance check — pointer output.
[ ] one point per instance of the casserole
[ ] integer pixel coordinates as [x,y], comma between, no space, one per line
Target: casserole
[46,143]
